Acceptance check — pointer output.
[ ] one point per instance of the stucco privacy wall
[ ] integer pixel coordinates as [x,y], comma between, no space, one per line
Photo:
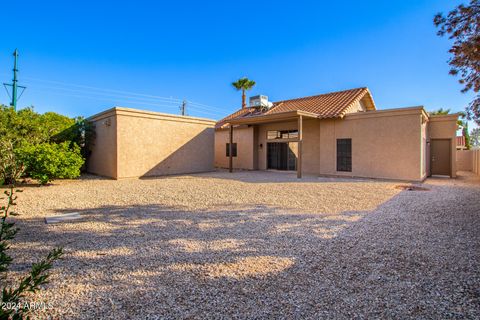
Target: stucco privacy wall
[153,144]
[385,144]
[103,159]
[476,161]
[445,127]
[465,160]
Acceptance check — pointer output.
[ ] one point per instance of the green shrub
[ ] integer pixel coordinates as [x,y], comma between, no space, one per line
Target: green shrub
[10,166]
[82,132]
[14,296]
[26,125]
[47,161]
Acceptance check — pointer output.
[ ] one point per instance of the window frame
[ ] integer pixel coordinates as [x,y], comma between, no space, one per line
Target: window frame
[234,150]
[344,161]
[291,134]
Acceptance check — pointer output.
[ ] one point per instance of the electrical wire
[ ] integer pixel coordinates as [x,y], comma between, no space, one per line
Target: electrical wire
[103,94]
[103,89]
[123,101]
[128,94]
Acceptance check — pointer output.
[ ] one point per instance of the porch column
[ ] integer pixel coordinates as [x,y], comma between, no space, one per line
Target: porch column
[300,141]
[230,150]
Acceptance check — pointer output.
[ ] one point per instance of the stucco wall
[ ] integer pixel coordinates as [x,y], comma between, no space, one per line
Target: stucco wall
[445,127]
[262,139]
[384,144]
[244,138]
[103,159]
[476,161]
[425,151]
[465,160]
[154,144]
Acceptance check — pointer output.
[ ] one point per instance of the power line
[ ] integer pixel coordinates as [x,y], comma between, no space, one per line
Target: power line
[123,102]
[147,100]
[204,105]
[104,94]
[129,93]
[103,89]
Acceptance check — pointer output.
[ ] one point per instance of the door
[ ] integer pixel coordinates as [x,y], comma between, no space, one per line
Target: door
[440,157]
[281,156]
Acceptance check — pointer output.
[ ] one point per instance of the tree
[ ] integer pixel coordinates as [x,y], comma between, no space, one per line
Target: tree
[243,84]
[475,137]
[462,24]
[440,111]
[466,134]
[26,125]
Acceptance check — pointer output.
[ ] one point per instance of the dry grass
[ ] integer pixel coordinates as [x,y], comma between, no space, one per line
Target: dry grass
[254,244]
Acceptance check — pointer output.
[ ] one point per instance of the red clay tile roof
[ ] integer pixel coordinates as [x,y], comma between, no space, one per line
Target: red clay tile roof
[329,105]
[236,114]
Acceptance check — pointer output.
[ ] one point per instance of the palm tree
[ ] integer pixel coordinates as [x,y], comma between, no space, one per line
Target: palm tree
[243,84]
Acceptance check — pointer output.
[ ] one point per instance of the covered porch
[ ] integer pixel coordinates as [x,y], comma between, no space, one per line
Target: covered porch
[297,137]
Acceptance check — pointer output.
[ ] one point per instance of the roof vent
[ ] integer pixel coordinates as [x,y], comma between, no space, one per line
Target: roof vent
[260,102]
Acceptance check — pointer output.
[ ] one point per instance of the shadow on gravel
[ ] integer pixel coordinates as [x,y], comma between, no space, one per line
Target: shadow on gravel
[410,257]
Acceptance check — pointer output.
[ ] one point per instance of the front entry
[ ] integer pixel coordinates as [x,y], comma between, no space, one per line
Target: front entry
[440,157]
[282,155]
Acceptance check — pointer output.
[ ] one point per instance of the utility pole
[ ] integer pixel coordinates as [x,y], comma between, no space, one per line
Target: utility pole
[14,84]
[15,80]
[183,108]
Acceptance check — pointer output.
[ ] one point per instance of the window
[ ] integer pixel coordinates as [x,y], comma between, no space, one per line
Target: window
[234,150]
[344,155]
[273,135]
[284,134]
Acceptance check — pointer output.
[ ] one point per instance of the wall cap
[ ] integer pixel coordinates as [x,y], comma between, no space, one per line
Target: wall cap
[145,113]
[444,117]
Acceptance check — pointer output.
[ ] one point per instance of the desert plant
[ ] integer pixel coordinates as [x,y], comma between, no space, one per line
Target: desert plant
[47,161]
[12,301]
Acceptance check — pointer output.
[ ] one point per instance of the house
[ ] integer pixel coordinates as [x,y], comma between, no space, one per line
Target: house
[337,134]
[135,143]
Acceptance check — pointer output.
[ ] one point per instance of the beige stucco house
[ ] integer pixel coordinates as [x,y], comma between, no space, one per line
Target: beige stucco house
[135,143]
[339,134]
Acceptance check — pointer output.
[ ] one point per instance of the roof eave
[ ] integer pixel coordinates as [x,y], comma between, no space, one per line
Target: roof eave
[289,115]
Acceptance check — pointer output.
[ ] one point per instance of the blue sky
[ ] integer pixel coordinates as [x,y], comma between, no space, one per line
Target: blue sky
[82,58]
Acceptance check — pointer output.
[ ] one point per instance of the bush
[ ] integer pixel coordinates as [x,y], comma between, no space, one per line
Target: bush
[15,304]
[10,167]
[47,145]
[82,132]
[47,161]
[26,125]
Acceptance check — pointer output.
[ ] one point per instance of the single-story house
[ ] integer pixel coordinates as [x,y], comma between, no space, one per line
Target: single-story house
[338,134]
[135,143]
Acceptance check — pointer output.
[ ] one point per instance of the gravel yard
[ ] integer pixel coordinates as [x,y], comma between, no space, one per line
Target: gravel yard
[256,245]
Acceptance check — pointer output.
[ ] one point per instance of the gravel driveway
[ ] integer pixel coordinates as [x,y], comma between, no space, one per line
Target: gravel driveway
[256,245]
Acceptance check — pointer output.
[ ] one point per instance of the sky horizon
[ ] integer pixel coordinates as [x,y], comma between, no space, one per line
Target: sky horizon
[82,59]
